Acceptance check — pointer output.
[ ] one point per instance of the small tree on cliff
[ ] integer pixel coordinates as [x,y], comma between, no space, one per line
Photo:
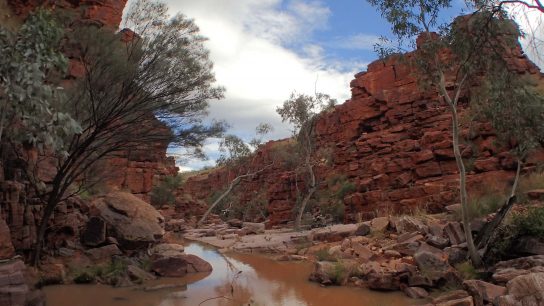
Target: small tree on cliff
[238,156]
[301,111]
[452,62]
[130,80]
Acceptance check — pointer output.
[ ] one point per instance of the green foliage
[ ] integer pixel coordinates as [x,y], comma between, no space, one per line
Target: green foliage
[467,270]
[31,106]
[324,255]
[164,192]
[109,273]
[530,223]
[339,273]
[345,189]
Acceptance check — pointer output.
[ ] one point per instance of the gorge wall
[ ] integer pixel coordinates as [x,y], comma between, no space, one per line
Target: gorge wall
[135,171]
[392,141]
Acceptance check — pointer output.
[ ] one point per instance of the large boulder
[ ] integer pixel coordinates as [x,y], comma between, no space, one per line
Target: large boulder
[134,223]
[180,265]
[483,292]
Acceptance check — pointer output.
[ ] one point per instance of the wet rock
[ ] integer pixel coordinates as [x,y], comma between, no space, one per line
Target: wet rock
[483,292]
[95,232]
[363,230]
[137,274]
[134,222]
[450,296]
[52,274]
[455,233]
[180,265]
[415,292]
[323,270]
[13,288]
[104,252]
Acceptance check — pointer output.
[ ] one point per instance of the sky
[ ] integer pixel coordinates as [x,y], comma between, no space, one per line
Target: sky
[263,50]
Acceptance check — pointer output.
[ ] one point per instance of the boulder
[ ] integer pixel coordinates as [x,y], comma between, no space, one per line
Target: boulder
[379,224]
[13,288]
[455,233]
[529,246]
[363,229]
[438,242]
[104,252]
[456,255]
[180,265]
[415,292]
[95,232]
[134,223]
[526,285]
[253,228]
[433,261]
[483,292]
[167,250]
[137,274]
[406,224]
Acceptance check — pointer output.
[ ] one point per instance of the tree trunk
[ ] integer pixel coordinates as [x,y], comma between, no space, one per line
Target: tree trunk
[474,256]
[482,241]
[233,184]
[48,211]
[216,202]
[309,194]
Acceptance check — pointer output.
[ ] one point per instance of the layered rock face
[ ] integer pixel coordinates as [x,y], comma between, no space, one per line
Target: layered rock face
[393,141]
[134,171]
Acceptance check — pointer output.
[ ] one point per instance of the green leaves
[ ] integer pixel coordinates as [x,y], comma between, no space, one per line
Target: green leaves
[28,97]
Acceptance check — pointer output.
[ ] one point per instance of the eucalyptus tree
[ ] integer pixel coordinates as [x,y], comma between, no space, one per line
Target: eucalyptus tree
[29,96]
[161,70]
[237,155]
[301,111]
[514,104]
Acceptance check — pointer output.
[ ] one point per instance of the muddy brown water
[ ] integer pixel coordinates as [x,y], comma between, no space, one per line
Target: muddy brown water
[252,279]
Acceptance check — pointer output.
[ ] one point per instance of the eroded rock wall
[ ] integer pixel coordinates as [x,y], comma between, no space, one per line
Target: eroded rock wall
[393,141]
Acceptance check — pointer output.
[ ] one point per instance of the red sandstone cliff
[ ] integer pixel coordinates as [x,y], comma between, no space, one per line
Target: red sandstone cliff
[392,140]
[135,171]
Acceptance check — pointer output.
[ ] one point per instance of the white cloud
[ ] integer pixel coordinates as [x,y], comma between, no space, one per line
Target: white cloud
[359,41]
[247,40]
[531,22]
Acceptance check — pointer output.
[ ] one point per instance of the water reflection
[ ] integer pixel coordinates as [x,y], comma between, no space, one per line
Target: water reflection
[235,280]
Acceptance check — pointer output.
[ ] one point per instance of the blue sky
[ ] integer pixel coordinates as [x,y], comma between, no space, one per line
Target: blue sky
[265,49]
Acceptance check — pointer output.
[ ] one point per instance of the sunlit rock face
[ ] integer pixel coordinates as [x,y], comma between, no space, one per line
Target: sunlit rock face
[393,141]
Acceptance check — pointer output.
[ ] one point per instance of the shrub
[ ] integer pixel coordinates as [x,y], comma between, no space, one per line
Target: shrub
[323,255]
[530,223]
[163,193]
[467,270]
[483,205]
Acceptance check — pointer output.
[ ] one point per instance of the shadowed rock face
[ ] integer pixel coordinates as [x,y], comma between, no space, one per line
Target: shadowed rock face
[392,140]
